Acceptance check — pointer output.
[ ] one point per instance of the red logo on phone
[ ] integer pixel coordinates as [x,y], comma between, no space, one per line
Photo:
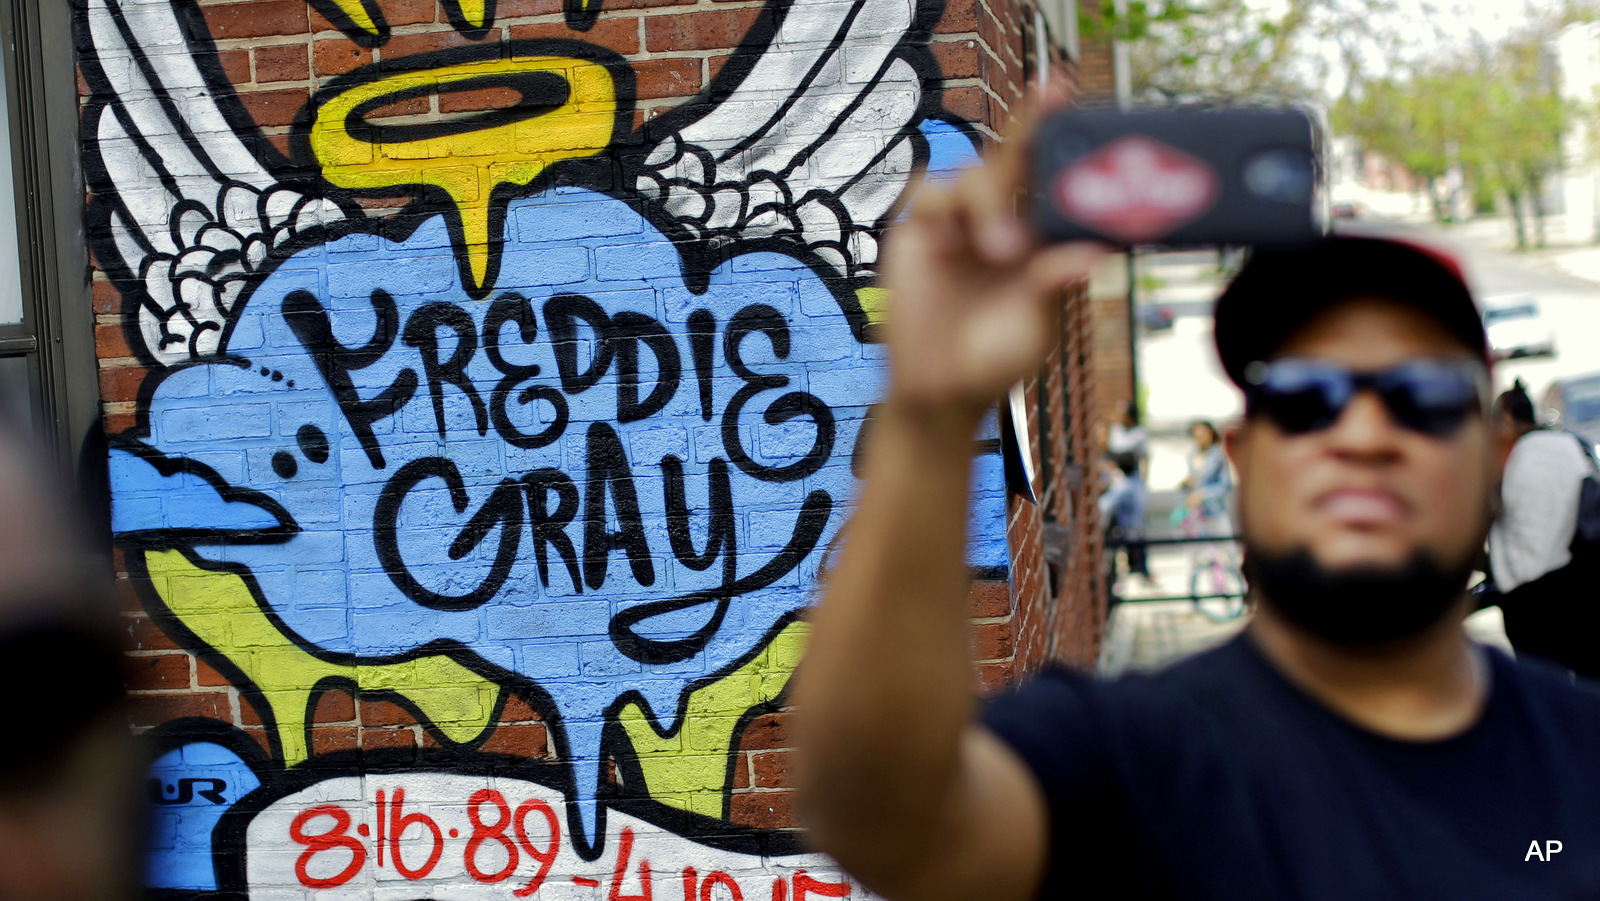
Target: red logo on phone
[1136,189]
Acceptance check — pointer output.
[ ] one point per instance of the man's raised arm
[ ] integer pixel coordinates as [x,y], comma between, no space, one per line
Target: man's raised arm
[896,779]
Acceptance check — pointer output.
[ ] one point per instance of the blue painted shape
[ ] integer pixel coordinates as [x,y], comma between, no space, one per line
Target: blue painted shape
[416,523]
[949,148]
[189,789]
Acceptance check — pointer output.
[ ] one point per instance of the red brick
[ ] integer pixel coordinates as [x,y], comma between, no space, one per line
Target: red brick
[958,59]
[377,739]
[235,65]
[256,18]
[260,736]
[993,678]
[480,99]
[248,714]
[415,106]
[741,771]
[619,33]
[384,713]
[282,62]
[644,4]
[764,810]
[511,9]
[772,769]
[270,108]
[517,710]
[334,706]
[667,78]
[119,383]
[714,66]
[336,57]
[519,740]
[769,730]
[127,597]
[144,635]
[959,15]
[83,83]
[107,299]
[334,739]
[712,30]
[157,672]
[111,341]
[969,103]
[401,46]
[280,143]
[991,641]
[207,675]
[153,710]
[986,599]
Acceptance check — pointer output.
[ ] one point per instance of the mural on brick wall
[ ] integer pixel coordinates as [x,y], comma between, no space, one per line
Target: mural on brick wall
[575,430]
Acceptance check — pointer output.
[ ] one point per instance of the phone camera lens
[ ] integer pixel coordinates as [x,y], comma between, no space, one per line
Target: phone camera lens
[1280,175]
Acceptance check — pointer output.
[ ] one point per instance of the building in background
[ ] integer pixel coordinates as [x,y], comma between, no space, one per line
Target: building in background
[479,387]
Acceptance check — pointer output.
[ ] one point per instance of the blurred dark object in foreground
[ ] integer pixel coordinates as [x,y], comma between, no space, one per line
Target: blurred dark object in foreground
[69,774]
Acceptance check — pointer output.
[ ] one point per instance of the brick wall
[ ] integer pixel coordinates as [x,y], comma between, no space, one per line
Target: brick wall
[484,381]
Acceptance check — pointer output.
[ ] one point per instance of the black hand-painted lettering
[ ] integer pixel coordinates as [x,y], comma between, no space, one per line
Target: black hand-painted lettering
[312,442]
[561,316]
[765,319]
[720,533]
[510,308]
[550,526]
[504,507]
[186,790]
[702,344]
[309,321]
[628,331]
[608,472]
[508,429]
[422,332]
[808,529]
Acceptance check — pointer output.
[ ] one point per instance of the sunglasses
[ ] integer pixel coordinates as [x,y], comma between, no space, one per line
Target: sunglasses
[1433,397]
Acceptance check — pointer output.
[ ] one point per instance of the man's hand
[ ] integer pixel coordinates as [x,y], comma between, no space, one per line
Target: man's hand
[895,778]
[973,295]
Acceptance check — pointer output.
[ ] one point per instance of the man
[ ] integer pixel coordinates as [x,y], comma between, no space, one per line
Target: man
[1549,598]
[1354,744]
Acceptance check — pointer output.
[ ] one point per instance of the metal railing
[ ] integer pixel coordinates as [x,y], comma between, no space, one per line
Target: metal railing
[1111,545]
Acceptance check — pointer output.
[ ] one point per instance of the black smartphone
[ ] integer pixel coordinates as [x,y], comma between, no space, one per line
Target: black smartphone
[1223,175]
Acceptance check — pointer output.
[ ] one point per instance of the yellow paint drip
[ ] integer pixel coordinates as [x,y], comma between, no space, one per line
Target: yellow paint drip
[473,12]
[356,12]
[688,769]
[872,301]
[219,609]
[467,158]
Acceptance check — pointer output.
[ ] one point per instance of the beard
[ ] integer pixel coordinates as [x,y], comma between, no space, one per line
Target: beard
[1359,606]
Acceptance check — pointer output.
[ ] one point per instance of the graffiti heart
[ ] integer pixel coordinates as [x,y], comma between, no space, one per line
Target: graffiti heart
[597,482]
[578,427]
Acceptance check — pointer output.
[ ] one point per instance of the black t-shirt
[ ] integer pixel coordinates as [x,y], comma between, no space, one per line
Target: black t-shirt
[1219,779]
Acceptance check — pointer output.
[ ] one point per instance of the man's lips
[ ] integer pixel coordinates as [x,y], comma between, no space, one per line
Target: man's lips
[1362,506]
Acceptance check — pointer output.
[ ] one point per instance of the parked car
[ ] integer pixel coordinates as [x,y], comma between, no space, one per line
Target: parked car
[1155,317]
[1515,327]
[1345,209]
[1573,403]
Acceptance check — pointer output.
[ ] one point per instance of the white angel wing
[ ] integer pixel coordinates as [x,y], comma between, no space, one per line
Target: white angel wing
[193,236]
[813,143]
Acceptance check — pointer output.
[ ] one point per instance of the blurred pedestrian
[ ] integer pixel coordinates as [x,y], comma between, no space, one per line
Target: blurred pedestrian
[1352,743]
[1122,512]
[1209,484]
[1126,436]
[1547,594]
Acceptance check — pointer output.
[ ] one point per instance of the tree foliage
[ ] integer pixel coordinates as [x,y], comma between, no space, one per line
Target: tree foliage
[1494,111]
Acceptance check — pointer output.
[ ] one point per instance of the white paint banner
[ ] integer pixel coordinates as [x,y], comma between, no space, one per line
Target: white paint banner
[461,837]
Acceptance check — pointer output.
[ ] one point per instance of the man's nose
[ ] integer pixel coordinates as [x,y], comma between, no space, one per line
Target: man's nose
[1365,428]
